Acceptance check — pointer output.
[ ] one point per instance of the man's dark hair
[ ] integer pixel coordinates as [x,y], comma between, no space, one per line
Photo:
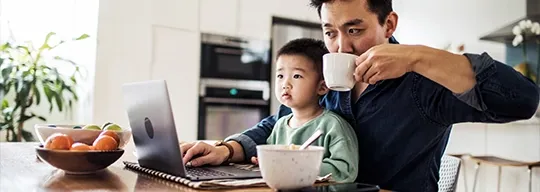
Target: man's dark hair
[380,7]
[312,49]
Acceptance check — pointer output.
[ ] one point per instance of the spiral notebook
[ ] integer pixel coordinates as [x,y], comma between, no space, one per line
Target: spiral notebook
[212,184]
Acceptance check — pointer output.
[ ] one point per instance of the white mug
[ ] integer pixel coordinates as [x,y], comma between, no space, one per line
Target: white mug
[338,69]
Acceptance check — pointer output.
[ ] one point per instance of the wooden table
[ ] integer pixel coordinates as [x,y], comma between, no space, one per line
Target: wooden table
[20,170]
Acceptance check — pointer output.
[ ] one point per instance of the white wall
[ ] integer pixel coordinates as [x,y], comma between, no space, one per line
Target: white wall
[438,23]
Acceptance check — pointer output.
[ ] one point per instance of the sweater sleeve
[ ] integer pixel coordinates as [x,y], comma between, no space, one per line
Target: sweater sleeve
[342,145]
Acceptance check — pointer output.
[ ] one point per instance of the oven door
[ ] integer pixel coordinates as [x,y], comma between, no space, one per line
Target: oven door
[221,117]
[233,63]
[227,107]
[234,58]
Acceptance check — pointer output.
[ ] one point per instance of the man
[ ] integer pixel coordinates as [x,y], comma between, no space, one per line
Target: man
[404,102]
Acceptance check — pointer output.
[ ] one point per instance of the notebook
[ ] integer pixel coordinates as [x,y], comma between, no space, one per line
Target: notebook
[211,184]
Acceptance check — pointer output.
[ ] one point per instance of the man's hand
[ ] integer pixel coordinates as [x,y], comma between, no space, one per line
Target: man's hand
[385,61]
[389,61]
[201,153]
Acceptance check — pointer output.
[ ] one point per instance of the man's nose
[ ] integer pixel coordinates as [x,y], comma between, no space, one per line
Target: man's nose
[345,44]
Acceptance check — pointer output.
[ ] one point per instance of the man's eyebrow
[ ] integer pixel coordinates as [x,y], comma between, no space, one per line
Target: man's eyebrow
[353,22]
[346,24]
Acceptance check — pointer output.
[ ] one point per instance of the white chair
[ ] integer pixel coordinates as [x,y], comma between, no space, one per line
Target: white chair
[449,173]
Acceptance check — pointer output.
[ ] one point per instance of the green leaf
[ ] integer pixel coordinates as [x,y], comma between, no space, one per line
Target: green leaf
[48,94]
[49,35]
[26,118]
[24,48]
[28,137]
[39,117]
[20,84]
[59,102]
[66,60]
[5,104]
[4,46]
[83,36]
[73,79]
[37,94]
[6,72]
[46,45]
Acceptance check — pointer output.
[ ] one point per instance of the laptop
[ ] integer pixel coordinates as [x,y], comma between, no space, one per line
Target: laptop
[154,134]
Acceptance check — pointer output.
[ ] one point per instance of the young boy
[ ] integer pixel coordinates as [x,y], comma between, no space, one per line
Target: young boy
[298,85]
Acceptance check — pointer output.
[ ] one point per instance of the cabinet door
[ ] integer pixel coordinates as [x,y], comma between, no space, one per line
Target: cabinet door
[219,16]
[293,9]
[176,59]
[182,14]
[255,19]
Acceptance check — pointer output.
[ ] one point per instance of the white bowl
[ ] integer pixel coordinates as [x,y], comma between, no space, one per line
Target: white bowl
[43,131]
[285,169]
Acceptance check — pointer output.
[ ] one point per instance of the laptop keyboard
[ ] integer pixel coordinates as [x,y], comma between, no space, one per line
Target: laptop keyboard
[201,172]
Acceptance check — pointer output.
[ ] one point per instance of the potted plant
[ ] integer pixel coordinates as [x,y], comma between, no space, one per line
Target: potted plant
[27,75]
[527,31]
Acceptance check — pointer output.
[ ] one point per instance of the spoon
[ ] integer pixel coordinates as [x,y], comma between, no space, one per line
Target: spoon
[311,139]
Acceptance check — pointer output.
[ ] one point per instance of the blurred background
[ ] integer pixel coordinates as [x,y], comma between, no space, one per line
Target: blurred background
[217,58]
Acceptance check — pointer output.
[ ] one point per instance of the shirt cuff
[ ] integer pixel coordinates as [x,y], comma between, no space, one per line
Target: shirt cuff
[484,67]
[249,146]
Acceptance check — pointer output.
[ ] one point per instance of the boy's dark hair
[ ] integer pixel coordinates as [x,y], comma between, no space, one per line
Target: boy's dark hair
[312,49]
[380,7]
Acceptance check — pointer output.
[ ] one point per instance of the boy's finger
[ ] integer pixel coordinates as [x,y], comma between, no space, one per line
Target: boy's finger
[254,160]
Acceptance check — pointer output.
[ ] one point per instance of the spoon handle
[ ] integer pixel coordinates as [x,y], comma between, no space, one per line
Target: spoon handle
[311,139]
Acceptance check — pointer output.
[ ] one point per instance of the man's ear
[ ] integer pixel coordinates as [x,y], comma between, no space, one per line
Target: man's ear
[391,24]
[323,89]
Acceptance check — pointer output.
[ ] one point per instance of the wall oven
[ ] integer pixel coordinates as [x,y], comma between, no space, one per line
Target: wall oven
[229,57]
[227,107]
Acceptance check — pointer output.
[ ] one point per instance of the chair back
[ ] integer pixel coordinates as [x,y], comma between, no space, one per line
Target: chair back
[449,173]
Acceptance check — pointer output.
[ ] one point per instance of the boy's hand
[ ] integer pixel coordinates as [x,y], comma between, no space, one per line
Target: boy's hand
[254,160]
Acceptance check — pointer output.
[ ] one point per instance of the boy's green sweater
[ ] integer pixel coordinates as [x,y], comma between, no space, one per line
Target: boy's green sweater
[339,140]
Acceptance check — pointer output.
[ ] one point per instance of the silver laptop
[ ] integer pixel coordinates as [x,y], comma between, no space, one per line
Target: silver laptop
[154,134]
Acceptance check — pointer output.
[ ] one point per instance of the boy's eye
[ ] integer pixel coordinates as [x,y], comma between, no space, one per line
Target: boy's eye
[279,76]
[296,76]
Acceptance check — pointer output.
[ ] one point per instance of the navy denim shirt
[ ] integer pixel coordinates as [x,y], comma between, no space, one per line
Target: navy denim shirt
[403,124]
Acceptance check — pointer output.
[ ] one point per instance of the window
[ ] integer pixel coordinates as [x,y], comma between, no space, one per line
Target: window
[32,20]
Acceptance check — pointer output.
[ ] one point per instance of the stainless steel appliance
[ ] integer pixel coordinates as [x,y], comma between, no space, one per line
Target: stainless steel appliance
[234,90]
[229,57]
[228,107]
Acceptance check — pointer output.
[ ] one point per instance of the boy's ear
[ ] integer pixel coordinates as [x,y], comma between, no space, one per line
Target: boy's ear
[323,89]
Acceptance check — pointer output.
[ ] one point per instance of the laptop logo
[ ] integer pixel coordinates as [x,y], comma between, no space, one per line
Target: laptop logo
[149,128]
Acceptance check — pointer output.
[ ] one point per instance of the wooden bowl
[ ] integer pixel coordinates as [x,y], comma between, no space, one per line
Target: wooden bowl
[79,162]
[78,135]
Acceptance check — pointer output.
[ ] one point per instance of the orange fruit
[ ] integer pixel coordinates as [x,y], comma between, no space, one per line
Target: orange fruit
[80,147]
[58,141]
[70,140]
[113,134]
[105,142]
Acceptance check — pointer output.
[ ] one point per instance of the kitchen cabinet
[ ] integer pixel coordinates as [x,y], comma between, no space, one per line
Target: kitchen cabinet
[219,16]
[298,10]
[182,14]
[255,19]
[176,59]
